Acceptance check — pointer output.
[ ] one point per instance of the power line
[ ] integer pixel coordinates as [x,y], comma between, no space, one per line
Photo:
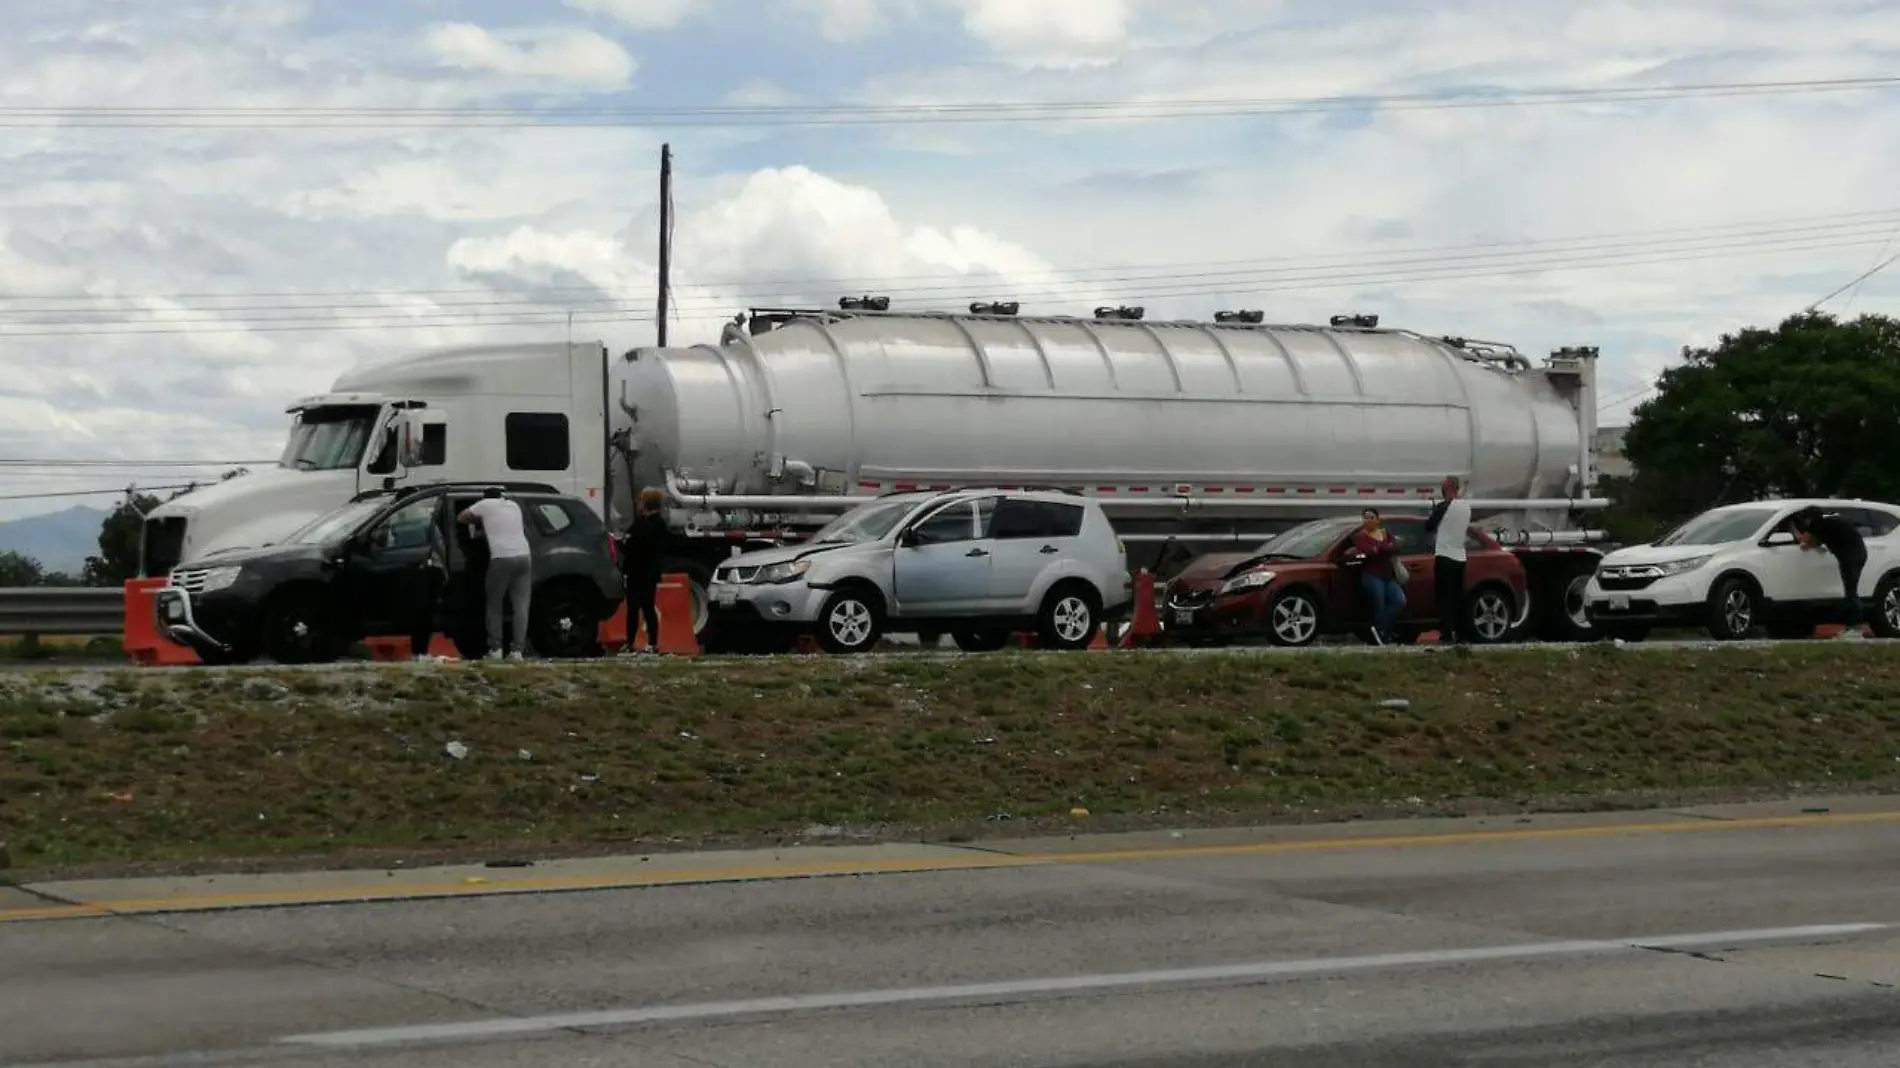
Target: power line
[1499,253]
[4,463]
[1861,277]
[96,493]
[101,117]
[1247,287]
[1734,228]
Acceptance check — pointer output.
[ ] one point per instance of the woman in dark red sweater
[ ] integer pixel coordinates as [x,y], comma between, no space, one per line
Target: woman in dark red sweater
[1376,550]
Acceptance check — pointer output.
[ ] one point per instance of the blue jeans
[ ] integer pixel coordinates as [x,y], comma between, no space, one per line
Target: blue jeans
[1385,598]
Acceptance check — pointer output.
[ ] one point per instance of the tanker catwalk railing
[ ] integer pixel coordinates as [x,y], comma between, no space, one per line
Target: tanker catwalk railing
[47,611]
[1343,502]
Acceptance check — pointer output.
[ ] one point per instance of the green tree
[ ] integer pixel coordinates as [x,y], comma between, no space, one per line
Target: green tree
[118,558]
[1803,410]
[18,569]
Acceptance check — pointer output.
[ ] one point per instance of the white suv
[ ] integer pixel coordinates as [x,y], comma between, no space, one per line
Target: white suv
[1734,568]
[977,563]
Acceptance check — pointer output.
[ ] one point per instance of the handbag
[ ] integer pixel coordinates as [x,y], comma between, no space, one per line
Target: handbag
[1400,572]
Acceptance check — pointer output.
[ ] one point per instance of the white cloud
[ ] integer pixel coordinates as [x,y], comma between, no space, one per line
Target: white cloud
[1053,33]
[643,14]
[850,21]
[786,235]
[579,56]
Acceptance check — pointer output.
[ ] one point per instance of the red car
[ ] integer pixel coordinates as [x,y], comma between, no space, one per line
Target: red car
[1296,587]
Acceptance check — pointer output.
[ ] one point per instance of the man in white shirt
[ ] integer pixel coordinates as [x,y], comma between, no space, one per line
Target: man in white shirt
[510,566]
[1449,525]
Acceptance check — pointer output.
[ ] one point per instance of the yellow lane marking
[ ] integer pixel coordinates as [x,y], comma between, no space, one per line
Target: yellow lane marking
[915,865]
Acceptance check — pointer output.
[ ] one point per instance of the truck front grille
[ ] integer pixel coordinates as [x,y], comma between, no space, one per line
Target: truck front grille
[189,581]
[739,575]
[164,546]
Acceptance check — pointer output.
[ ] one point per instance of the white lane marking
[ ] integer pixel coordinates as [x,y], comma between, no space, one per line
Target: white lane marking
[792,1003]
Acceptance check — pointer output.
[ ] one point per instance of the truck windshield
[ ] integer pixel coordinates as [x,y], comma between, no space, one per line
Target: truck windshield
[1719,527]
[1308,541]
[331,526]
[329,438]
[867,523]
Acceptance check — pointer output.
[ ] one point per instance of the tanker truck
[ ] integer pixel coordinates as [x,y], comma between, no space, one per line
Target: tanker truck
[1186,432]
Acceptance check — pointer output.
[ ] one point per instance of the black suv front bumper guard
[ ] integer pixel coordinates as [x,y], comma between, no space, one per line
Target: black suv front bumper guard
[177,621]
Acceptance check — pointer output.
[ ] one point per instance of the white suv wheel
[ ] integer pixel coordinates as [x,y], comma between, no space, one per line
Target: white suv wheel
[849,623]
[1072,619]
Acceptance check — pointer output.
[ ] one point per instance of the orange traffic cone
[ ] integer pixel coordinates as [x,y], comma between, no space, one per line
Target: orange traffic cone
[1147,625]
[675,604]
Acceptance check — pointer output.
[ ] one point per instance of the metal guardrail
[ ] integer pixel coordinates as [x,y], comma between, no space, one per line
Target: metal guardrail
[81,612]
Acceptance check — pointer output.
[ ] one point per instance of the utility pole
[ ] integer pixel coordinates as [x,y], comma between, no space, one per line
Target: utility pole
[666,240]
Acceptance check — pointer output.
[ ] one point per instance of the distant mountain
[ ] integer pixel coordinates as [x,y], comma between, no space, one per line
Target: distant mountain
[60,541]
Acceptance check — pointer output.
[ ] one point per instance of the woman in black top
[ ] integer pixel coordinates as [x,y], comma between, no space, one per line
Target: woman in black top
[642,555]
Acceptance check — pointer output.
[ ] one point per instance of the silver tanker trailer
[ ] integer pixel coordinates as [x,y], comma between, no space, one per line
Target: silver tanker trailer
[1189,433]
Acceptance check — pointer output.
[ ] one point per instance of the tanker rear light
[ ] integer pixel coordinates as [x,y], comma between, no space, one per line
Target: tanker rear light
[996,308]
[1249,316]
[864,303]
[1362,322]
[1123,312]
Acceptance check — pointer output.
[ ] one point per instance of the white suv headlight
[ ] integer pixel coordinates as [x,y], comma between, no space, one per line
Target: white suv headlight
[1677,567]
[1252,580]
[220,578]
[785,572]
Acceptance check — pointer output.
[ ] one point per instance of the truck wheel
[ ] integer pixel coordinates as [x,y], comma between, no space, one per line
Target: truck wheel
[981,641]
[1560,612]
[851,621]
[1293,619]
[1734,608]
[563,623]
[1493,611]
[1886,616]
[299,628]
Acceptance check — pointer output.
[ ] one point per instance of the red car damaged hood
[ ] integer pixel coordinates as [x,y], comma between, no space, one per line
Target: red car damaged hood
[1211,570]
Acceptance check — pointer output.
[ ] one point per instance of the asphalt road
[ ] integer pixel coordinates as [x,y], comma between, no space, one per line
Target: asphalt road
[1741,945]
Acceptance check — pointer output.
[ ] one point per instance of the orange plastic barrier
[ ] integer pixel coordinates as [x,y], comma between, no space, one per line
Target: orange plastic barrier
[144,645]
[675,604]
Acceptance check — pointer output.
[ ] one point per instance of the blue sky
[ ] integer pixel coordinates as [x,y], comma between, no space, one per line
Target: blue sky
[1718,212]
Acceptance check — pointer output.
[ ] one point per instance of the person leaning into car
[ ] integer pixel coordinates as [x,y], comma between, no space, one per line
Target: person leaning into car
[1821,531]
[510,579]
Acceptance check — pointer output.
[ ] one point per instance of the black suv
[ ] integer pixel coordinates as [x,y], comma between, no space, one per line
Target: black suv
[340,578]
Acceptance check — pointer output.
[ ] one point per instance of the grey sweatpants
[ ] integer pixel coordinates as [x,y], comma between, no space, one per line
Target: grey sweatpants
[512,577]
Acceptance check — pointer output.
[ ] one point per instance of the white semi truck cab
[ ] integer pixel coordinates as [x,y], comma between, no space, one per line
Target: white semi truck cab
[524,413]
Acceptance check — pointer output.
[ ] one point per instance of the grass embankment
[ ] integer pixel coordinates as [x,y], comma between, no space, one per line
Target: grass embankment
[153,766]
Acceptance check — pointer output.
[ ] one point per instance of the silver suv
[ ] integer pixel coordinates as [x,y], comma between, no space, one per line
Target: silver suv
[976,563]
